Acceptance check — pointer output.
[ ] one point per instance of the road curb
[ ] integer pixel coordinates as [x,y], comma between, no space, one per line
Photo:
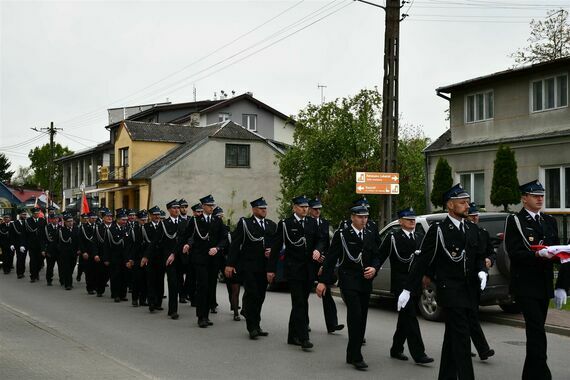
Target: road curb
[553,329]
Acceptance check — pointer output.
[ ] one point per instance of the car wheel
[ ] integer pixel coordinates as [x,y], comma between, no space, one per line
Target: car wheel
[429,309]
[510,308]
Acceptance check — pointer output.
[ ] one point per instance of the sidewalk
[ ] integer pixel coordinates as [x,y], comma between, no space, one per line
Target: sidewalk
[557,321]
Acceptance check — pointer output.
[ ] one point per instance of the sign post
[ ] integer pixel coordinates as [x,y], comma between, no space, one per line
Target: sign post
[377,183]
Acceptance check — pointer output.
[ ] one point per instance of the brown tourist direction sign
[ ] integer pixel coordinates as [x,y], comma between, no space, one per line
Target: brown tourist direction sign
[377,183]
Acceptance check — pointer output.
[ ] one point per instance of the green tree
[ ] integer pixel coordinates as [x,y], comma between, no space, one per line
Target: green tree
[24,177]
[505,186]
[549,39]
[442,181]
[411,167]
[333,141]
[5,172]
[41,161]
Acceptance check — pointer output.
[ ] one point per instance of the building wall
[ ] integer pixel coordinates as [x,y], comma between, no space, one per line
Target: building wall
[283,131]
[512,111]
[140,152]
[530,157]
[203,172]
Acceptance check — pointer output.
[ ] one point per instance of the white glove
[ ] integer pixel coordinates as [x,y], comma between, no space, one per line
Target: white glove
[23,249]
[12,248]
[560,298]
[403,299]
[544,253]
[483,277]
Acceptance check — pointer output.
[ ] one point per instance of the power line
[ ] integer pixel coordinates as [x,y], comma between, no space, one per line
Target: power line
[192,63]
[23,143]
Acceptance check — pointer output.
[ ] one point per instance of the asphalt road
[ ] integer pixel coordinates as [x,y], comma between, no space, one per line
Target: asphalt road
[50,333]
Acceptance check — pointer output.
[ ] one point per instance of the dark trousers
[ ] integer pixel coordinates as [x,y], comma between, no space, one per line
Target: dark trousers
[299,317]
[90,275]
[101,277]
[181,274]
[477,335]
[534,311]
[255,287]
[329,310]
[155,283]
[203,284]
[80,267]
[408,329]
[213,269]
[456,351]
[35,262]
[118,279]
[356,317]
[51,260]
[65,266]
[7,258]
[139,290]
[20,261]
[190,282]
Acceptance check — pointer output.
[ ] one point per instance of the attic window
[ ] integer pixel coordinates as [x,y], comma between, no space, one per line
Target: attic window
[223,116]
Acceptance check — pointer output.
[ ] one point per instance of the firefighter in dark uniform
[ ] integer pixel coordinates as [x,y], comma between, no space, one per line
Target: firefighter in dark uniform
[49,247]
[233,285]
[206,238]
[401,247]
[304,245]
[18,231]
[88,248]
[139,243]
[68,249]
[371,225]
[152,261]
[33,232]
[451,250]
[102,266]
[116,253]
[329,306]
[6,243]
[190,280]
[248,254]
[356,250]
[477,335]
[182,259]
[80,261]
[164,246]
[532,273]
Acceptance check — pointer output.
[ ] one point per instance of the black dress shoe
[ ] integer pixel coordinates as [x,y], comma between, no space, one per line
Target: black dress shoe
[237,318]
[68,288]
[262,332]
[159,308]
[117,299]
[202,323]
[423,360]
[151,308]
[487,354]
[124,299]
[361,365]
[398,355]
[254,334]
[210,323]
[20,276]
[473,354]
[174,316]
[336,328]
[306,345]
[182,300]
[294,341]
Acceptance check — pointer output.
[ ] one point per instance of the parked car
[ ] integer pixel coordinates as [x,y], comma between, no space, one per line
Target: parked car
[497,290]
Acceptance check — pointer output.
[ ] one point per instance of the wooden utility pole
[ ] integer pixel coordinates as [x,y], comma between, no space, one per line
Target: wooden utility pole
[52,131]
[389,139]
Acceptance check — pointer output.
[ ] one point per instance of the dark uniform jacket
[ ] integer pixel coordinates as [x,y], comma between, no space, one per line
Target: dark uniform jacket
[33,232]
[118,245]
[50,239]
[68,241]
[164,241]
[182,238]
[202,236]
[300,242]
[140,239]
[88,240]
[532,276]
[351,273]
[18,233]
[102,239]
[401,250]
[455,263]
[487,245]
[249,241]
[5,236]
[151,252]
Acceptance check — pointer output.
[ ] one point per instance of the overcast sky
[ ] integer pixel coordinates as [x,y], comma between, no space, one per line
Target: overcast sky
[68,62]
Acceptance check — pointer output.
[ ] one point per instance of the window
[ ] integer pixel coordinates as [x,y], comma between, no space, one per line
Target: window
[249,121]
[124,155]
[479,107]
[237,156]
[474,183]
[549,93]
[556,183]
[223,116]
